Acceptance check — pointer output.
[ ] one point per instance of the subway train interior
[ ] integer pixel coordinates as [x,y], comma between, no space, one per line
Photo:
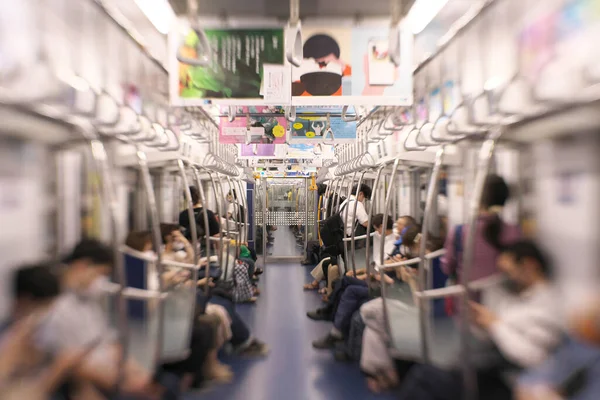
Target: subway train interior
[303,200]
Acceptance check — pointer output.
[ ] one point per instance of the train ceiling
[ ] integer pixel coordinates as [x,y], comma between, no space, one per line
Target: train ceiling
[281,8]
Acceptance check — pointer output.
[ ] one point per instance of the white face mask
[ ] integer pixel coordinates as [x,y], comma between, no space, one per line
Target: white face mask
[97,288]
[178,246]
[396,233]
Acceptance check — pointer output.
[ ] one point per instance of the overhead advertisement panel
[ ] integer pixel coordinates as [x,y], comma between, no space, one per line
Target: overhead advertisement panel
[352,66]
[247,68]
[256,129]
[308,128]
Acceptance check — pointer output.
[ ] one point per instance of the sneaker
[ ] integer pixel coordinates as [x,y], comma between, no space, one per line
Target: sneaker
[318,315]
[328,342]
[255,349]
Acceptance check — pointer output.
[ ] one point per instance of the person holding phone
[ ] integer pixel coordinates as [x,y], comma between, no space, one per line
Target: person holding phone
[517,326]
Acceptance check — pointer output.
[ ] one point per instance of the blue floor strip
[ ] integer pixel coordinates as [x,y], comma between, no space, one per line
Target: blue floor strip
[293,370]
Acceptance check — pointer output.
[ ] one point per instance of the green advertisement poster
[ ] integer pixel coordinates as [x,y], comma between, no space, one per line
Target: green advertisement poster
[237,65]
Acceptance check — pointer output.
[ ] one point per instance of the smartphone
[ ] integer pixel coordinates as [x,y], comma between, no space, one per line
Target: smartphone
[381,69]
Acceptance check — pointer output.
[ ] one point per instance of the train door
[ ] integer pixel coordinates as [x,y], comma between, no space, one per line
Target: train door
[289,209]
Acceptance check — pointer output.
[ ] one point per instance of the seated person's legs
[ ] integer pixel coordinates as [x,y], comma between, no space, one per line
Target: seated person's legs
[241,338]
[351,300]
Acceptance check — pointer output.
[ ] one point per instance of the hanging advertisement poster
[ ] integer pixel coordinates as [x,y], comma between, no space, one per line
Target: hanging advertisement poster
[308,128]
[257,150]
[300,151]
[266,130]
[241,60]
[326,69]
[352,67]
[375,78]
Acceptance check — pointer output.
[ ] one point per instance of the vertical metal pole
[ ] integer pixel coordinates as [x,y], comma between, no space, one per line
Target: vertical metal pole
[353,234]
[194,233]
[219,213]
[157,242]
[423,273]
[100,157]
[305,216]
[221,216]
[485,157]
[386,317]
[206,225]
[347,214]
[264,225]
[236,206]
[370,221]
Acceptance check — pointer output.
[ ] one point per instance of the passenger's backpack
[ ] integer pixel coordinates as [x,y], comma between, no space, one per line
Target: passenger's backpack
[332,230]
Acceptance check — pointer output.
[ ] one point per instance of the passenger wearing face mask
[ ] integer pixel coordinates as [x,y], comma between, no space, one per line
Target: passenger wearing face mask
[78,321]
[517,326]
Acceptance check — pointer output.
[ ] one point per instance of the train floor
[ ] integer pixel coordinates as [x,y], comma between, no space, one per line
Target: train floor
[293,370]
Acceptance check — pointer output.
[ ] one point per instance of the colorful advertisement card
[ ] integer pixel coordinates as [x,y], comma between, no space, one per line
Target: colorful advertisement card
[256,129]
[237,67]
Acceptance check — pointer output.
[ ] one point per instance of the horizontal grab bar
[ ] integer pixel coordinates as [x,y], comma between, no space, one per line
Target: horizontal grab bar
[441,293]
[142,294]
[358,237]
[412,261]
[456,290]
[435,254]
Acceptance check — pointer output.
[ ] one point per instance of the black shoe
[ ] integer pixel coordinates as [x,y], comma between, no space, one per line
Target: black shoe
[342,356]
[319,314]
[328,342]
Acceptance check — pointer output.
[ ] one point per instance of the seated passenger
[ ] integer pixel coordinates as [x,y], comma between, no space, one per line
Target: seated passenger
[177,247]
[358,224]
[78,321]
[517,326]
[214,227]
[491,236]
[24,371]
[328,312]
[354,291]
[572,372]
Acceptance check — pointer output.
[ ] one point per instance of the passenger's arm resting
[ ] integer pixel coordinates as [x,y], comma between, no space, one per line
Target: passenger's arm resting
[528,344]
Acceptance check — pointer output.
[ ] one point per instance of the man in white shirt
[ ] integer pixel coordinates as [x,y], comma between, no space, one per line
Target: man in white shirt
[361,217]
[518,325]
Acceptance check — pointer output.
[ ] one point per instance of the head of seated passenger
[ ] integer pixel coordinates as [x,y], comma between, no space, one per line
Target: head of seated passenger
[34,288]
[195,196]
[403,222]
[378,224]
[364,192]
[140,241]
[172,237]
[523,265]
[87,267]
[231,196]
[411,239]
